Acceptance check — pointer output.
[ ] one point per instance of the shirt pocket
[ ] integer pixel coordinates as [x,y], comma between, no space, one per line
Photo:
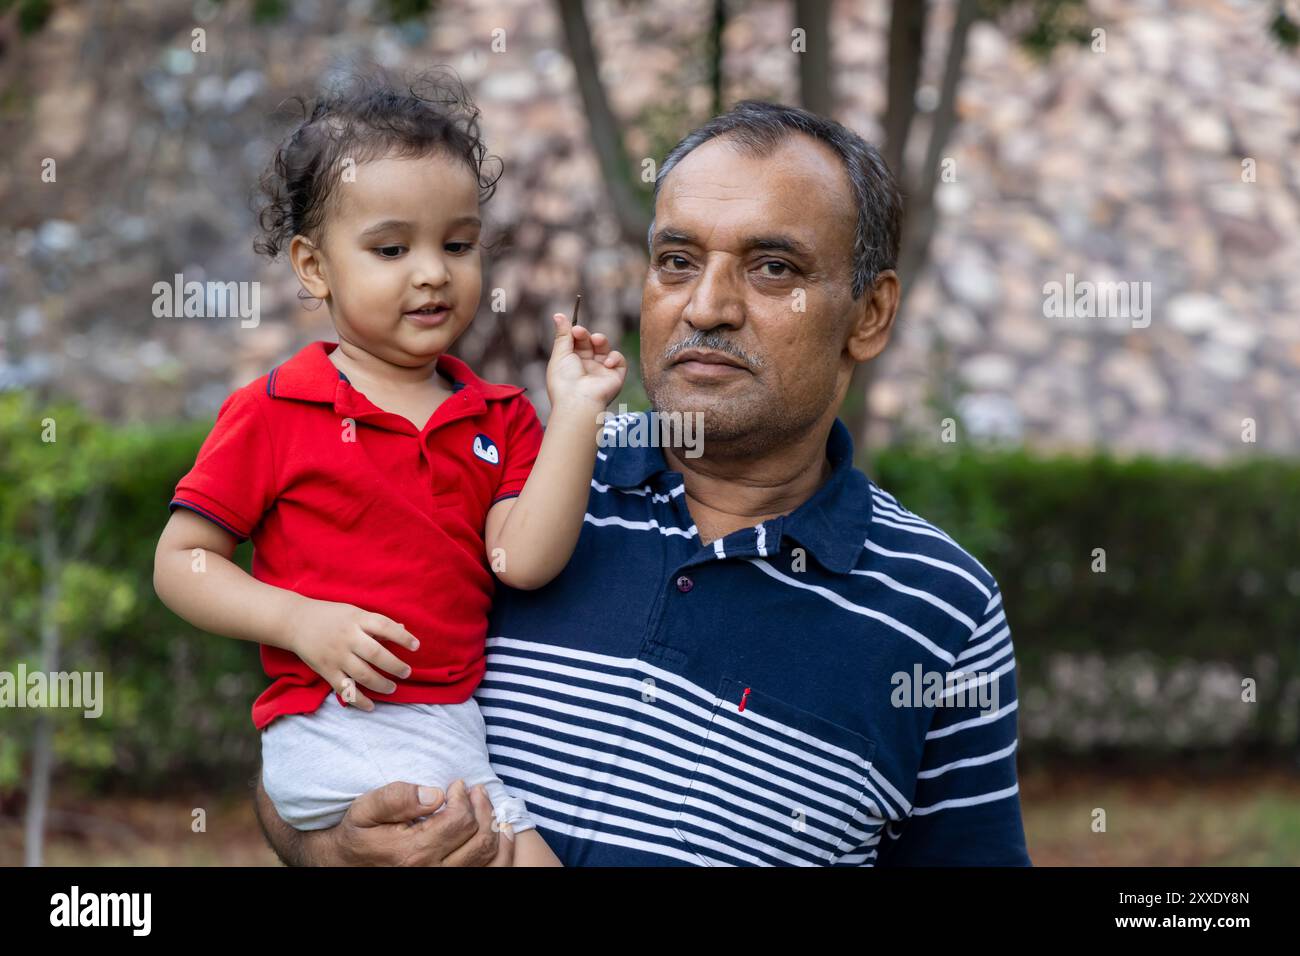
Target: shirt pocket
[773,784]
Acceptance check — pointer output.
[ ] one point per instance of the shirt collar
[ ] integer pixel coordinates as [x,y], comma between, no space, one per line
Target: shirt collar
[833,524]
[310,376]
[835,521]
[630,465]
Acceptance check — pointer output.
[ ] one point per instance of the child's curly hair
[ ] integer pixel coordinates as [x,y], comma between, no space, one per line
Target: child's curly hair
[366,118]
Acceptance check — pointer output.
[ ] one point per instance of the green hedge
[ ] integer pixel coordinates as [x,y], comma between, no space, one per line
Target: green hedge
[178,699]
[1202,588]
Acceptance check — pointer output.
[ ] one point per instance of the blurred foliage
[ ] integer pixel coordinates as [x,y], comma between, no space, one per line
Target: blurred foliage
[1201,566]
[633,392]
[32,14]
[176,701]
[1040,26]
[1284,29]
[269,11]
[394,11]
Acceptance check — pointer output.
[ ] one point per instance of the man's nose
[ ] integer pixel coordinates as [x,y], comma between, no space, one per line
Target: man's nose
[718,298]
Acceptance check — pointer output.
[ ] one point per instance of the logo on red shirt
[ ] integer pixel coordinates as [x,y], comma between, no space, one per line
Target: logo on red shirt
[486,449]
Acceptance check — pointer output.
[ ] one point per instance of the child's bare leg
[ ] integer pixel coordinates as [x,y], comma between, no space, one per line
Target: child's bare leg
[531,850]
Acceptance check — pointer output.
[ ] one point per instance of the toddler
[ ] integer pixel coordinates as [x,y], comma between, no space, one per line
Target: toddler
[385,486]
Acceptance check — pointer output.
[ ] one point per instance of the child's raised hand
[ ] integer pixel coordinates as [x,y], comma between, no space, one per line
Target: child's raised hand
[341,642]
[584,372]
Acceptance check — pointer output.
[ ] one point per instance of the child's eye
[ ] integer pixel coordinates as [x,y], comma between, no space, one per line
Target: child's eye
[459,247]
[381,250]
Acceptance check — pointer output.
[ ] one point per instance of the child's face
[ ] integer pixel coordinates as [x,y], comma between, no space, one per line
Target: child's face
[404,234]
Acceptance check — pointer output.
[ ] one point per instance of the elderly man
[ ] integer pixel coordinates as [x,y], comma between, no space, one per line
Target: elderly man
[756,656]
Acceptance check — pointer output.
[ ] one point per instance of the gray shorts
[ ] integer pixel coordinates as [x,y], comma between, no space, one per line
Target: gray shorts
[314,765]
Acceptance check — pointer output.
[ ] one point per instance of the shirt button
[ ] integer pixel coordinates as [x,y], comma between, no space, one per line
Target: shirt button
[684,584]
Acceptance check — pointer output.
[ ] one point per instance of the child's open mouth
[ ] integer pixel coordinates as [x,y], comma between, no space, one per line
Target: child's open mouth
[429,315]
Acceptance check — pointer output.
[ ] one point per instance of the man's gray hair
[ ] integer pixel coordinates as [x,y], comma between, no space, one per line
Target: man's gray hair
[758,128]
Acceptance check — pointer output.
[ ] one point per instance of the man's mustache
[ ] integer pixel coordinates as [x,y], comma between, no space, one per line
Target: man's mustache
[713,342]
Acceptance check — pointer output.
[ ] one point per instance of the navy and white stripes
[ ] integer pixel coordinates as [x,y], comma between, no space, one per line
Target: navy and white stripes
[669,702]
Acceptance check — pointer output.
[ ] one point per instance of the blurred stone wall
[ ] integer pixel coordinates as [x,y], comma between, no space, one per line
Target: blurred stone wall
[1117,166]
[1122,166]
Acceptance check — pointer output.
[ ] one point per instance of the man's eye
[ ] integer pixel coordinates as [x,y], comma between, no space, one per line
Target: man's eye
[381,250]
[674,261]
[783,267]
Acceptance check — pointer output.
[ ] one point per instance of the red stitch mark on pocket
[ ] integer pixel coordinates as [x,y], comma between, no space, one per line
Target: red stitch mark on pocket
[743,698]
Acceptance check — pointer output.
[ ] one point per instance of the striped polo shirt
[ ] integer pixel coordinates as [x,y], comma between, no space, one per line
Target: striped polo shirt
[833,686]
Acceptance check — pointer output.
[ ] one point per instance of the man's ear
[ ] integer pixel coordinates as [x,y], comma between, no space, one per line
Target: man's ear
[874,318]
[305,256]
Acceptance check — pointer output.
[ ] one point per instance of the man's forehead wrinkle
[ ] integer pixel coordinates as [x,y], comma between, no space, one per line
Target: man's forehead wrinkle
[743,197]
[791,187]
[703,174]
[686,185]
[763,231]
[765,206]
[703,237]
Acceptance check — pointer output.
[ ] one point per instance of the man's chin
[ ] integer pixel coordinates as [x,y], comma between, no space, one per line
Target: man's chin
[697,387]
[686,401]
[720,418]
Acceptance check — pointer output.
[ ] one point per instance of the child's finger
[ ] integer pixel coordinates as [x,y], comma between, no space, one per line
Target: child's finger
[563,344]
[389,630]
[383,658]
[582,342]
[367,676]
[615,359]
[600,342]
[346,688]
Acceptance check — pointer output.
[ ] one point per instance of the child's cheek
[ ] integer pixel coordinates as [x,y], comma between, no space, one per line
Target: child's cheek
[469,286]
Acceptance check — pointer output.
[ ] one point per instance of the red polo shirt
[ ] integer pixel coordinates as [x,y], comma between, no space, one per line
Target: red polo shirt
[346,502]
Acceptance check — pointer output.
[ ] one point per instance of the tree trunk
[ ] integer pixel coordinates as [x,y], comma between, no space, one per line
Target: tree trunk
[717,29]
[918,205]
[38,791]
[606,133]
[814,17]
[906,44]
[921,218]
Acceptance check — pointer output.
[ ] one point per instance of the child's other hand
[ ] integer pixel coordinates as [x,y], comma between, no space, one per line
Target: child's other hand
[584,372]
[341,642]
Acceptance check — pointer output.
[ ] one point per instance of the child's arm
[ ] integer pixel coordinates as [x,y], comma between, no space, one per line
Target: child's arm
[531,850]
[536,532]
[194,576]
